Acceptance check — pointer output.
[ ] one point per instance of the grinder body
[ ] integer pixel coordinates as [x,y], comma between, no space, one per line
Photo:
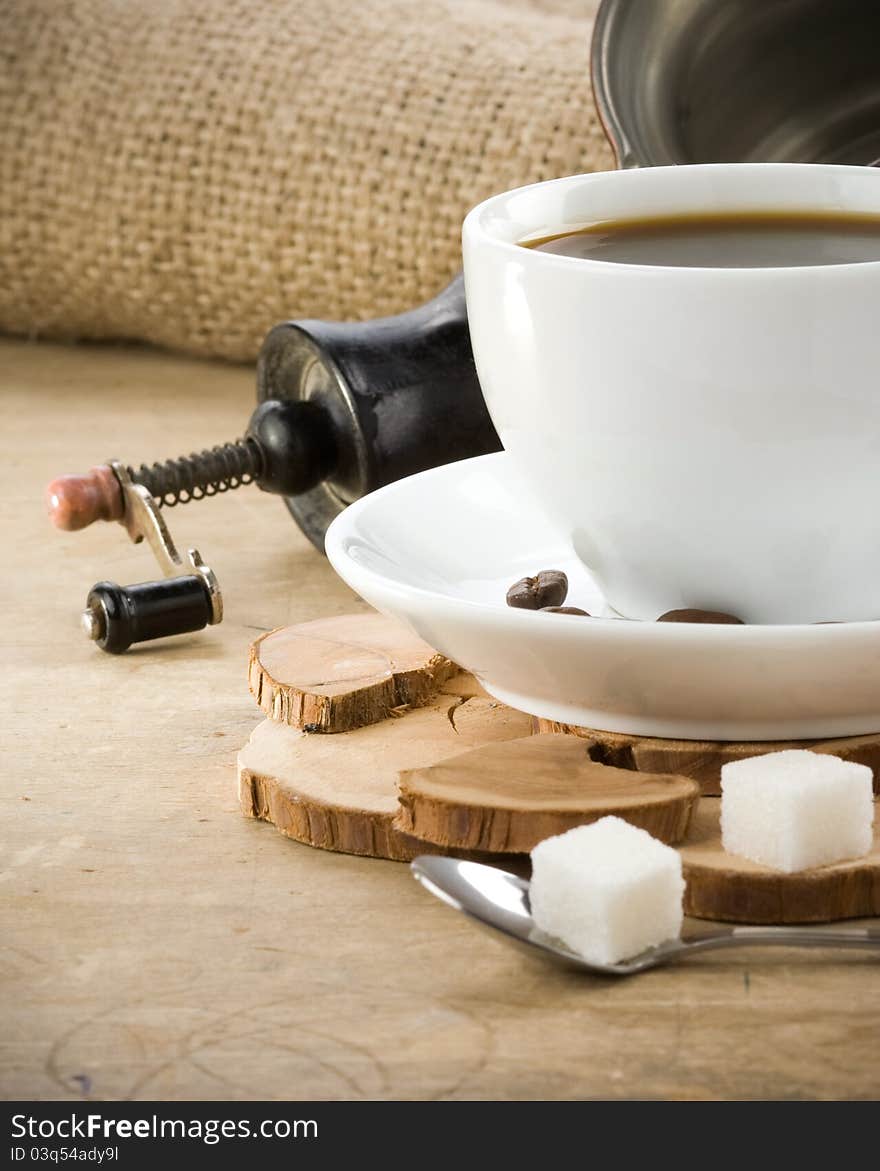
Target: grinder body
[401,394]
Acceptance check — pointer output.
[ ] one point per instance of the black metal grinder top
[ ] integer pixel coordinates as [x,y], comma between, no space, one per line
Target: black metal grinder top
[344,408]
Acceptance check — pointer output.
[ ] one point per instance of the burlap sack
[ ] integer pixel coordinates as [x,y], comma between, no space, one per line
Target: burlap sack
[188,172]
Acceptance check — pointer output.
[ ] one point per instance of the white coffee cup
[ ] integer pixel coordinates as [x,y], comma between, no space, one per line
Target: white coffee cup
[706,437]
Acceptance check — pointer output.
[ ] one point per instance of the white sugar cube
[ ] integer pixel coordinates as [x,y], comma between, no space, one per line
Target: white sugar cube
[608,890]
[794,810]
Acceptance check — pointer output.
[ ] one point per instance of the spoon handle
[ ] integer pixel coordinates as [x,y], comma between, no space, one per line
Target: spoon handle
[858,937]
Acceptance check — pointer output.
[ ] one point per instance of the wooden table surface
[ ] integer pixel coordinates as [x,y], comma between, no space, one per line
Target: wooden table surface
[158,945]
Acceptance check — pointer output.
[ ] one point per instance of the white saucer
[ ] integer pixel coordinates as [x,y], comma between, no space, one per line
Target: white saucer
[438,550]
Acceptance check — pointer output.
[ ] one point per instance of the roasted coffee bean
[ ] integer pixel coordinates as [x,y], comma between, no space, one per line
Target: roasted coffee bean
[564,610]
[701,616]
[548,588]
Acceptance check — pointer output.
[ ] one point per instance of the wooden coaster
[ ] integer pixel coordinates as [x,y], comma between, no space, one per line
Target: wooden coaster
[340,792]
[723,886]
[507,797]
[336,674]
[473,778]
[702,759]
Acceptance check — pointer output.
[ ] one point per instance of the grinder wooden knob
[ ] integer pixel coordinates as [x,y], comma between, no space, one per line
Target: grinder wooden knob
[75,502]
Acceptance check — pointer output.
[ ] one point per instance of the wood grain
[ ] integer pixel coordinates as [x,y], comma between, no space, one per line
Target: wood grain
[340,792]
[723,886]
[507,797]
[702,759]
[336,674]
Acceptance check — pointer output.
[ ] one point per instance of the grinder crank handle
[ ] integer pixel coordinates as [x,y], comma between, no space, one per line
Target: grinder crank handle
[344,408]
[116,616]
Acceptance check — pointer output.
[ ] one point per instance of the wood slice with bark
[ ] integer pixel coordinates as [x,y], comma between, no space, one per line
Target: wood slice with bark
[336,674]
[340,792]
[726,887]
[507,797]
[702,759]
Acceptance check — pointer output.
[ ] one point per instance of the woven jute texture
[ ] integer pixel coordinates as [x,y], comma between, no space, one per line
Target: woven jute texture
[189,172]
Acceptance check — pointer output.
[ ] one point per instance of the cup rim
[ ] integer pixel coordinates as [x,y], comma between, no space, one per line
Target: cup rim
[474,225]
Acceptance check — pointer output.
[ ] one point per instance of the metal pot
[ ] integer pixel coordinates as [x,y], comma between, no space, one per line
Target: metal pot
[699,81]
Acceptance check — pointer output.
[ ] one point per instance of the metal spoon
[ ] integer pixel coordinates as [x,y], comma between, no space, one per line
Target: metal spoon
[500,900]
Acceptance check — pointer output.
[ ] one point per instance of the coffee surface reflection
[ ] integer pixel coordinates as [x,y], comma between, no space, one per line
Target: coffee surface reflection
[744,240]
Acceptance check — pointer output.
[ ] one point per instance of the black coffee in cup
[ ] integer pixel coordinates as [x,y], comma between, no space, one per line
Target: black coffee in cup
[760,239]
